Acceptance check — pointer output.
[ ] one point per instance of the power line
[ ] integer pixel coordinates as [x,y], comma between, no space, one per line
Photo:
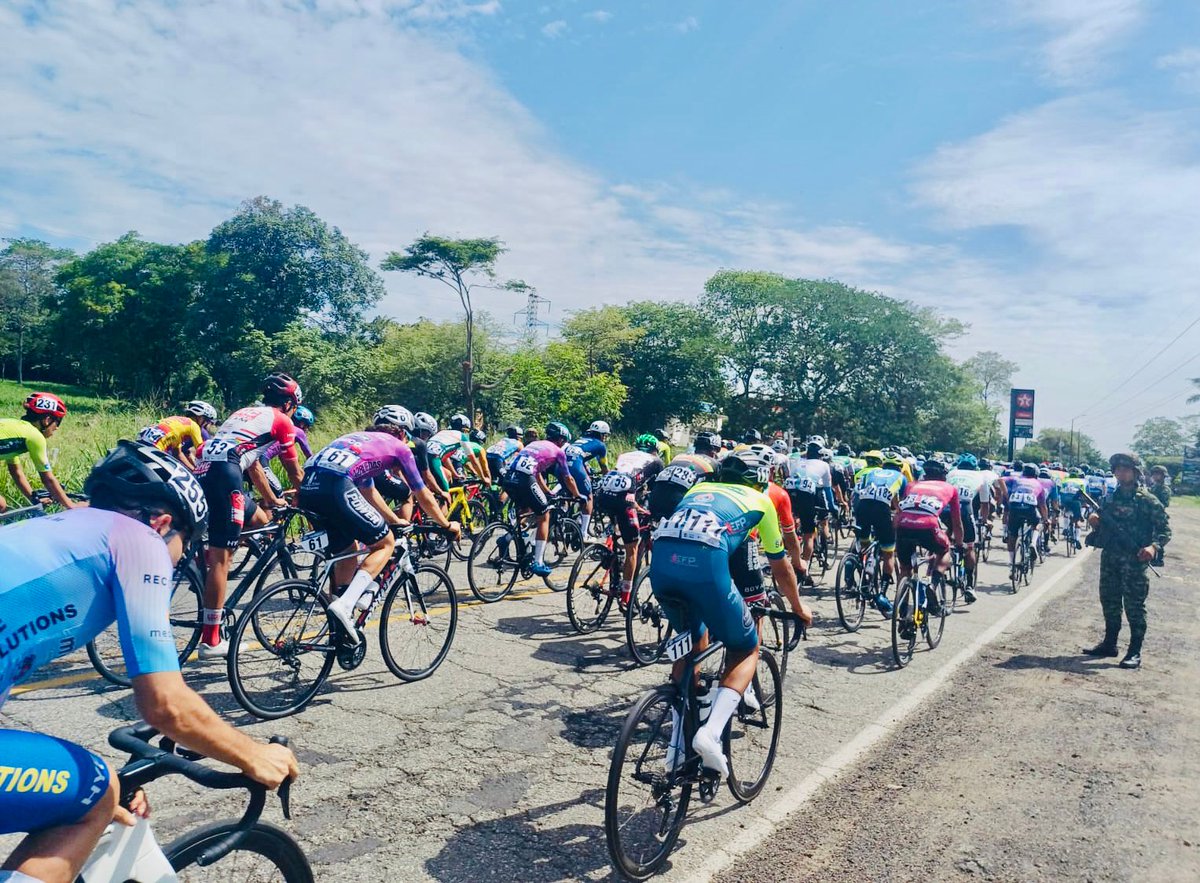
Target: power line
[1113,408]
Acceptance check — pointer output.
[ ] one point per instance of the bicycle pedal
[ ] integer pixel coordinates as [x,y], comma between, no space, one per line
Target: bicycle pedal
[350,658]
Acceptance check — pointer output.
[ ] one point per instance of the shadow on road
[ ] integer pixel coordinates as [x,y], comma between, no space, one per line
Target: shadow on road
[1077,664]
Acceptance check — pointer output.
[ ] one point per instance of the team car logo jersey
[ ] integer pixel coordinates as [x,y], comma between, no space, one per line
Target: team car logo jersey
[245,432]
[362,456]
[722,516]
[879,484]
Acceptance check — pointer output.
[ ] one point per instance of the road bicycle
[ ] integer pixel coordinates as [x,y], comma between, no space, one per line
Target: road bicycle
[857,583]
[654,768]
[983,540]
[1021,569]
[41,504]
[504,551]
[959,578]
[285,643]
[595,581]
[920,608]
[1070,534]
[470,510]
[244,849]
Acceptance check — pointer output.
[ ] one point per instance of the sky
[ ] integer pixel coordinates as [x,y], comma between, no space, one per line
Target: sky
[1031,167]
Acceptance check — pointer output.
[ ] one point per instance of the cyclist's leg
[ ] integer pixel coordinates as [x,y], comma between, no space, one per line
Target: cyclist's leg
[354,516]
[227,504]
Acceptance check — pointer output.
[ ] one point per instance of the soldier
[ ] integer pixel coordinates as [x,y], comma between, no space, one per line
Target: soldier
[1131,529]
[1159,485]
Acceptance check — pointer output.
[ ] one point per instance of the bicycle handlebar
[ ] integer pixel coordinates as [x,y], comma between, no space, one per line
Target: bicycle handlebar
[799,626]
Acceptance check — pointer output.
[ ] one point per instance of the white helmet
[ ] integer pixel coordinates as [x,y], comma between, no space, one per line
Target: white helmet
[599,427]
[818,440]
[198,408]
[397,416]
[423,422]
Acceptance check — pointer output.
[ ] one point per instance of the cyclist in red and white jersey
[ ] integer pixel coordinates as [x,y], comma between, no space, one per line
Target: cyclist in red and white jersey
[919,521]
[232,451]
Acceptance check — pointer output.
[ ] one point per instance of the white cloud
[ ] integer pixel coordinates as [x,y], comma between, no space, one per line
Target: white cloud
[555,29]
[690,23]
[600,16]
[1186,65]
[1082,31]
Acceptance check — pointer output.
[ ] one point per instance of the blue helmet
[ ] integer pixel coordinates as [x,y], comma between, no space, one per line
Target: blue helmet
[305,416]
[968,461]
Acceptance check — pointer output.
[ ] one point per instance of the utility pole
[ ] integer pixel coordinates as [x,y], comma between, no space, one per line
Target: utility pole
[528,320]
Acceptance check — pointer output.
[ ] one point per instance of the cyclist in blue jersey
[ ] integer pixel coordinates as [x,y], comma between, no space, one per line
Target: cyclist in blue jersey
[592,446]
[63,580]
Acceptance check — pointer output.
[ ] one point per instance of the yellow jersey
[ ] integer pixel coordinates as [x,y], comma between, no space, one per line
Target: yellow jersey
[169,434]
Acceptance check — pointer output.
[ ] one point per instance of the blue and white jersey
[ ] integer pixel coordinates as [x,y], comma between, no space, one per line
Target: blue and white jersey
[593,449]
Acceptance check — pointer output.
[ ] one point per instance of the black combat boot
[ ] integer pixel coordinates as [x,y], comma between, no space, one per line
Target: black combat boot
[1133,656]
[1106,648]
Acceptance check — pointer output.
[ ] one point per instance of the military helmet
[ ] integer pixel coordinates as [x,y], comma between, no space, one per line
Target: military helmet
[1125,458]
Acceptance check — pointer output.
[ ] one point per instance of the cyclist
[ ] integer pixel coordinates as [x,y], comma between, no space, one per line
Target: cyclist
[205,416]
[425,427]
[339,489]
[919,523]
[585,449]
[1046,480]
[869,460]
[527,488]
[473,456]
[168,435]
[877,494]
[225,460]
[302,419]
[501,454]
[974,495]
[1025,504]
[64,579]
[44,413]
[1072,491]
[619,493]
[810,487]
[690,577]
[669,486]
[444,444]
[1093,483]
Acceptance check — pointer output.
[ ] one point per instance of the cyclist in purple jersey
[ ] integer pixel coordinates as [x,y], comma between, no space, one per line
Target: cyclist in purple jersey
[339,489]
[527,488]
[1026,505]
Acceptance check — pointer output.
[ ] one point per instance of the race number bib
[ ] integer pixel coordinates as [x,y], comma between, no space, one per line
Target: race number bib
[336,460]
[922,503]
[693,525]
[804,484]
[1023,498]
[435,448]
[679,646]
[616,483]
[879,492]
[679,475]
[218,449]
[314,541]
[524,465]
[151,435]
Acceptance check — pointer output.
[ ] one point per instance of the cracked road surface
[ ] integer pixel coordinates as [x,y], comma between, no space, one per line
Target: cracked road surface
[494,768]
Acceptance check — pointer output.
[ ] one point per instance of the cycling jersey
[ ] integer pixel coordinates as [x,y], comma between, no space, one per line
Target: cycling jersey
[273,450]
[1025,493]
[247,431]
[442,445]
[361,456]
[632,471]
[169,434]
[1071,488]
[1051,489]
[22,437]
[66,577]
[505,449]
[971,485]
[664,451]
[674,481]
[880,484]
[593,449]
[722,516]
[1095,486]
[922,505]
[576,465]
[539,458]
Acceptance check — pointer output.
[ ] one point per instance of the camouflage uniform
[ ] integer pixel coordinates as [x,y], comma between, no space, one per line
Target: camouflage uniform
[1161,491]
[1132,520]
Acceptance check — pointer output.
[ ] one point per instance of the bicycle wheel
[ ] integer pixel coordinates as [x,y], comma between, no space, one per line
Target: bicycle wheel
[753,733]
[472,526]
[281,650]
[646,626]
[851,604]
[564,543]
[935,623]
[774,634]
[434,548]
[589,589]
[420,615]
[246,553]
[644,803]
[492,566]
[265,853]
[820,555]
[906,619]
[187,605]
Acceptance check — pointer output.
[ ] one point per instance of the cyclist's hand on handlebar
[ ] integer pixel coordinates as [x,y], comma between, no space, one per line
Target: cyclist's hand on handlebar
[271,765]
[139,808]
[805,614]
[455,529]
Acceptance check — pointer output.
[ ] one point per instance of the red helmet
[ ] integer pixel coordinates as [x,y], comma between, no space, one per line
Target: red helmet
[284,386]
[45,404]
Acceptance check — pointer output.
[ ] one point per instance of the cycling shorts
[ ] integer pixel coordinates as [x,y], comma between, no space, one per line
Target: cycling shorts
[692,584]
[1073,507]
[46,782]
[229,506]
[395,490]
[496,466]
[624,513]
[909,539]
[341,510]
[968,523]
[583,478]
[875,517]
[664,498]
[806,510]
[1018,517]
[525,492]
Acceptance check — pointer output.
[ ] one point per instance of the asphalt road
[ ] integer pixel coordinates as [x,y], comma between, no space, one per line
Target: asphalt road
[494,768]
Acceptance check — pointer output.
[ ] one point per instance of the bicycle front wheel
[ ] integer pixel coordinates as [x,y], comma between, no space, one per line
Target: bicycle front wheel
[851,604]
[774,634]
[265,853]
[281,650]
[646,626]
[906,621]
[492,566]
[753,734]
[420,615]
[646,801]
[589,596]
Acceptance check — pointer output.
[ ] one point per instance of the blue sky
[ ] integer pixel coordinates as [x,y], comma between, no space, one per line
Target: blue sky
[1029,166]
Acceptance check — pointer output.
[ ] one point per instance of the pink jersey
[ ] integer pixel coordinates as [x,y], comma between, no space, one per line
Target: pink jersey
[1025,493]
[922,505]
[540,457]
[245,432]
[361,456]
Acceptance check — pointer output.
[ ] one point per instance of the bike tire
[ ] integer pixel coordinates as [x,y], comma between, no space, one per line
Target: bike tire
[266,841]
[646,729]
[492,566]
[473,525]
[935,623]
[904,617]
[775,633]
[427,616]
[646,626]
[748,726]
[566,540]
[851,603]
[589,595]
[290,624]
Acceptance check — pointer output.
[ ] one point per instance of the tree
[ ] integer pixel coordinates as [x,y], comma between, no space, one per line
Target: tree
[1160,437]
[460,264]
[554,383]
[1061,445]
[994,374]
[28,267]
[605,335]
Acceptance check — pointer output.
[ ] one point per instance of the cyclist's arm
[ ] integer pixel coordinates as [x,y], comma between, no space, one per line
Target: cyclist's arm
[429,505]
[50,483]
[258,478]
[372,495]
[185,458]
[956,525]
[18,477]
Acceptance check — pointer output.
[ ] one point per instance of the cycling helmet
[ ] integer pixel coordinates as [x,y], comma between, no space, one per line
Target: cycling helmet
[45,404]
[660,434]
[282,386]
[751,437]
[1085,468]
[514,431]
[599,427]
[200,409]
[424,425]
[395,416]
[891,461]
[872,458]
[818,440]
[1076,472]
[844,450]
[1056,465]
[1044,472]
[985,464]
[134,473]
[478,436]
[779,446]
[935,469]
[813,450]
[305,416]
[1029,470]
[826,455]
[751,466]
[707,441]
[460,423]
[646,442]
[556,431]
[968,461]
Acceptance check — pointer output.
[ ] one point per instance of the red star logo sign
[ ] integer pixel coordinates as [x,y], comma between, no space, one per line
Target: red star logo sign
[1025,400]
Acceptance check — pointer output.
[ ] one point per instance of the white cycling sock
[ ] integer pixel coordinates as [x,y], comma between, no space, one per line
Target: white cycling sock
[361,582]
[723,707]
[584,521]
[1034,540]
[1012,556]
[539,551]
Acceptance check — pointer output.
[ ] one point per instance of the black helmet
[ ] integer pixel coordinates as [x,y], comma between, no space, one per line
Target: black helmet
[935,469]
[460,423]
[844,450]
[514,431]
[556,431]
[660,434]
[478,436]
[142,475]
[751,437]
[1028,470]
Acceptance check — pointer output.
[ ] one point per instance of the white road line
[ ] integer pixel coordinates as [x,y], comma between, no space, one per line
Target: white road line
[867,737]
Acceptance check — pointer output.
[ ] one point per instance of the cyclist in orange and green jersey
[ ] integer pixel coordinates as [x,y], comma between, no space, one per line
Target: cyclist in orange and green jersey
[44,413]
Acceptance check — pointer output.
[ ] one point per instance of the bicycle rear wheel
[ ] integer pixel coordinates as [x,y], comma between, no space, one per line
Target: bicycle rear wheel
[753,733]
[646,626]
[281,650]
[589,595]
[774,633]
[851,604]
[265,853]
[492,566]
[645,803]
[565,541]
[416,628]
[905,622]
[472,526]
[935,623]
